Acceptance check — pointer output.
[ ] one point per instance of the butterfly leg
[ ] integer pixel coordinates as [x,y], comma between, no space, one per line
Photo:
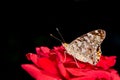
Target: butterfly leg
[76,62]
[64,56]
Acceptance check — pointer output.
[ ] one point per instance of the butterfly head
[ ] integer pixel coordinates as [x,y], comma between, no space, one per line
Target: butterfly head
[65,45]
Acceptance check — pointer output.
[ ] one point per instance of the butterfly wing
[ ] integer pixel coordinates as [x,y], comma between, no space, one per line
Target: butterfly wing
[87,48]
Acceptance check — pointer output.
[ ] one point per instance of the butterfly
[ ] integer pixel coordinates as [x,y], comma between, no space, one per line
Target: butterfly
[87,48]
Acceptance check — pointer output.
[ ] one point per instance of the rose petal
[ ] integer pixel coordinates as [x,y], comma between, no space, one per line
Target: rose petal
[32,70]
[63,70]
[45,77]
[70,65]
[43,51]
[32,57]
[99,74]
[77,71]
[64,57]
[83,78]
[114,74]
[106,62]
[39,52]
[59,48]
[61,53]
[96,74]
[47,65]
[37,73]
[60,56]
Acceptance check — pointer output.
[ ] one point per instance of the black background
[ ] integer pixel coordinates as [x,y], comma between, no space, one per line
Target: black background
[26,25]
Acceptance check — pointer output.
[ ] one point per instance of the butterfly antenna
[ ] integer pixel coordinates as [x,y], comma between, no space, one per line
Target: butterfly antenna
[63,41]
[55,37]
[60,35]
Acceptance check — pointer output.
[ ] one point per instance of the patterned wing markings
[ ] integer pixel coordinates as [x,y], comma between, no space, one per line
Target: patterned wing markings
[87,48]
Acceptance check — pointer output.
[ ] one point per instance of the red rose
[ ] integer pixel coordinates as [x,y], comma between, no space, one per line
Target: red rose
[50,64]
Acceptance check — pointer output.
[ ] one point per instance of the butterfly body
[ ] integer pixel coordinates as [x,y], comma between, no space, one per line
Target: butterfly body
[87,48]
